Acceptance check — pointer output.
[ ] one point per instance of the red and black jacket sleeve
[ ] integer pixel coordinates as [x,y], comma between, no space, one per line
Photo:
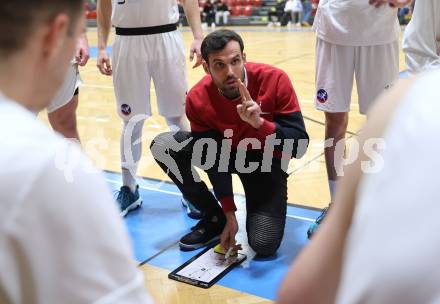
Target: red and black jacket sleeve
[288,122]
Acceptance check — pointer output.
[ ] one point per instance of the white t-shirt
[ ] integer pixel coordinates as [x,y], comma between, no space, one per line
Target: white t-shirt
[293,6]
[393,246]
[420,40]
[61,237]
[144,13]
[355,23]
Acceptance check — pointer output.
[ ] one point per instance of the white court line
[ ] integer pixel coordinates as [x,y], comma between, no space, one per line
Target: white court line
[300,218]
[179,194]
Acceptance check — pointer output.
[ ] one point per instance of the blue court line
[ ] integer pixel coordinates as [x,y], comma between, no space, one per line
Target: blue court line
[93,51]
[161,222]
[404,74]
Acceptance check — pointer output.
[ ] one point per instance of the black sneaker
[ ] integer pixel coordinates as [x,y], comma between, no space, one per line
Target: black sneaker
[191,210]
[206,232]
[127,200]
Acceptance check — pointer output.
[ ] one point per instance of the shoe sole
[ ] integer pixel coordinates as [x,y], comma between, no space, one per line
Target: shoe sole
[131,207]
[185,247]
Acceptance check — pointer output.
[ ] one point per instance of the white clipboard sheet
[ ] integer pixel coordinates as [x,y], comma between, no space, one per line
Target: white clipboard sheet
[206,268]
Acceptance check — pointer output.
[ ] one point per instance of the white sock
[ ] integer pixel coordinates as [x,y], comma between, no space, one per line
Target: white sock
[178,123]
[332,186]
[130,152]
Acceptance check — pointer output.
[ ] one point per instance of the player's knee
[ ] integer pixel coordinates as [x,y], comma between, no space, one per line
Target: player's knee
[264,247]
[336,123]
[265,233]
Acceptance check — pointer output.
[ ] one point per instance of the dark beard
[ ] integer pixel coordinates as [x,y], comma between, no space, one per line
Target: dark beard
[230,95]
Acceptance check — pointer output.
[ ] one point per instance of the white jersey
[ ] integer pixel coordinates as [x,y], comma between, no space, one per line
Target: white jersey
[355,23]
[393,246]
[61,237]
[420,43]
[144,13]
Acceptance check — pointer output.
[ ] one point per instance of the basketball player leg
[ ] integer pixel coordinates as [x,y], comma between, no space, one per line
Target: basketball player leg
[266,208]
[170,81]
[62,109]
[63,120]
[377,69]
[334,81]
[131,80]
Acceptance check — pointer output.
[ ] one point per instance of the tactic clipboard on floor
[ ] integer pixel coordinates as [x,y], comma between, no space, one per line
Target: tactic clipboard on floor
[207,267]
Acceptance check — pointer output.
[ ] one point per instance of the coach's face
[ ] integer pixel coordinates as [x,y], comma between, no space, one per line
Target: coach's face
[226,67]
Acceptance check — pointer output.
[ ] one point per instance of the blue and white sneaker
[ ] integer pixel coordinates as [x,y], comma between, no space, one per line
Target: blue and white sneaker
[128,200]
[191,210]
[314,227]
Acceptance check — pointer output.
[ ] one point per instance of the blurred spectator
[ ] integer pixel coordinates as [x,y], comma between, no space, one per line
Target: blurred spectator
[276,13]
[182,17]
[91,4]
[315,4]
[294,8]
[208,13]
[307,12]
[221,10]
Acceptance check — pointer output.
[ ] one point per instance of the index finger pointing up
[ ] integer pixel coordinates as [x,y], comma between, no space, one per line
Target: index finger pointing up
[245,96]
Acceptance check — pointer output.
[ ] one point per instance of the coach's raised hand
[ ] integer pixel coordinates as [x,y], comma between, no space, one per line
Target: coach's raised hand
[248,110]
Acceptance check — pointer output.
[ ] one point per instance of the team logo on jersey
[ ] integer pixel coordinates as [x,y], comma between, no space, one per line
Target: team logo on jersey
[125,109]
[322,95]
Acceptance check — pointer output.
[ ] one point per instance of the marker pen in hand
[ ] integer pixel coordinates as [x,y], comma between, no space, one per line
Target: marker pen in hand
[228,253]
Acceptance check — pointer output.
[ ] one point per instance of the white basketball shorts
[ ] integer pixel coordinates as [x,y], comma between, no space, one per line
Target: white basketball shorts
[71,82]
[375,67]
[139,59]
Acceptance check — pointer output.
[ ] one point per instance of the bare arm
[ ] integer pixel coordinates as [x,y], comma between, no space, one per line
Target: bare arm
[192,12]
[314,277]
[82,49]
[104,12]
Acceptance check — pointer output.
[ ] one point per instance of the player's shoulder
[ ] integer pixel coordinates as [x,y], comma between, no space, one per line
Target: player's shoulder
[36,163]
[24,134]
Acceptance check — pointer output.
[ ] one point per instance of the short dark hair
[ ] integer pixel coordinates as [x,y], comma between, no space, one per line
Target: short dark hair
[19,19]
[217,40]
